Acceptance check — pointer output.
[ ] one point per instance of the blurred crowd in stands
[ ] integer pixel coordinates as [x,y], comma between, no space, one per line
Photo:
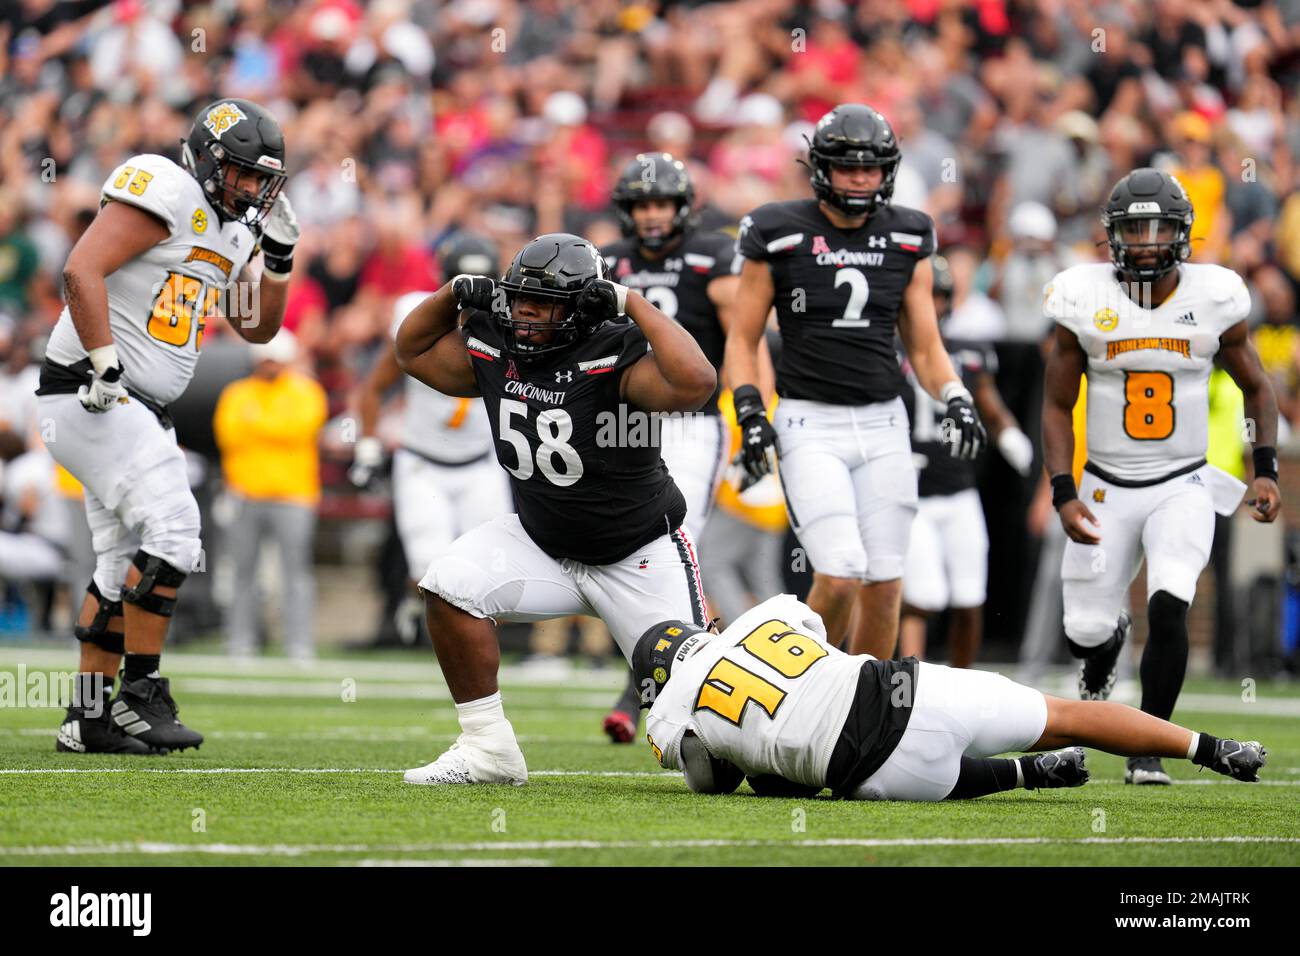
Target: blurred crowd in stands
[407,120]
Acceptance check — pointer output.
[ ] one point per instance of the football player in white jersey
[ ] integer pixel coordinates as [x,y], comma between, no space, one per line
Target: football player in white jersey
[771,700]
[1146,329]
[445,478]
[168,244]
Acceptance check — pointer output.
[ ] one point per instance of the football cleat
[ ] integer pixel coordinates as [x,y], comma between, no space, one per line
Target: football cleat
[467,762]
[1239,760]
[1062,768]
[620,726]
[1097,673]
[82,734]
[1147,771]
[145,710]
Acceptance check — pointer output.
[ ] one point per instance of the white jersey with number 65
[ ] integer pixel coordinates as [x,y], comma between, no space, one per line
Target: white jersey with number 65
[159,302]
[768,694]
[1148,369]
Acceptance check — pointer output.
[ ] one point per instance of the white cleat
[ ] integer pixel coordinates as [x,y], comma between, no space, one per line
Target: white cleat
[467,762]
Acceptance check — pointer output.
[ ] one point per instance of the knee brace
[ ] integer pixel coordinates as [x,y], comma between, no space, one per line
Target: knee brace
[153,571]
[97,632]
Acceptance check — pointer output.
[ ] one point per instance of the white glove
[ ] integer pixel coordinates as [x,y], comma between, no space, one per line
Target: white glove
[280,234]
[282,224]
[1017,449]
[105,389]
[367,458]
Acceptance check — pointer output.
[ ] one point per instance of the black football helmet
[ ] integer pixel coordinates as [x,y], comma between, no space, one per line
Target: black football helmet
[241,133]
[467,253]
[654,176]
[552,268]
[656,652]
[853,135]
[1148,208]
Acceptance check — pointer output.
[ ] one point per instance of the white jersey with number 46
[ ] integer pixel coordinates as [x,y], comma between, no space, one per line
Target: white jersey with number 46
[768,694]
[442,427]
[1148,369]
[158,302]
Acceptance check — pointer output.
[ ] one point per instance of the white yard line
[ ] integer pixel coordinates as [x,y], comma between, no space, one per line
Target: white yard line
[294,850]
[471,861]
[419,669]
[1207,781]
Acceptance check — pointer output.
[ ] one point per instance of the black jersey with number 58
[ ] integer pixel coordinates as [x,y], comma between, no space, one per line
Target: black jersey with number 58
[585,468]
[838,296]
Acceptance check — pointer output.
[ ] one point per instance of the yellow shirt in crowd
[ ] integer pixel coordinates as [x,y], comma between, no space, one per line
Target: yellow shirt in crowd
[267,432]
[1206,189]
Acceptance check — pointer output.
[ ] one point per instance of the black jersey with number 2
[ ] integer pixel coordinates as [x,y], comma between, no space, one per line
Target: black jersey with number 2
[588,481]
[677,284]
[838,296]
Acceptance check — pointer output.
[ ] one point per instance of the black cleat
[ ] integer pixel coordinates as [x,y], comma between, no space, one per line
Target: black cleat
[82,734]
[1062,768]
[145,710]
[1238,760]
[1097,673]
[1147,771]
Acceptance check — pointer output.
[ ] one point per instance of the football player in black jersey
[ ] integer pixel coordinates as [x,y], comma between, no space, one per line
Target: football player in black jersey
[688,276]
[570,386]
[845,271]
[947,557]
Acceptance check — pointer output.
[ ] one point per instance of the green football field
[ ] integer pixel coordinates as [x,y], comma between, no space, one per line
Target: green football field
[302,765]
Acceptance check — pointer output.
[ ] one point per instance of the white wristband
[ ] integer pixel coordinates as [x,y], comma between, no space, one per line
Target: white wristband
[954,389]
[103,358]
[621,292]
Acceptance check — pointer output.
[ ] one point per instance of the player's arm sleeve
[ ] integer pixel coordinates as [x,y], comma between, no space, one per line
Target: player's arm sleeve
[147,183]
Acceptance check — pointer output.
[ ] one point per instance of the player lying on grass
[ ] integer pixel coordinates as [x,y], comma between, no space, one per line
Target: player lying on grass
[769,700]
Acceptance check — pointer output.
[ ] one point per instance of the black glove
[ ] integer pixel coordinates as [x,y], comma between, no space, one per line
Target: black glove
[758,444]
[601,300]
[474,292]
[962,429]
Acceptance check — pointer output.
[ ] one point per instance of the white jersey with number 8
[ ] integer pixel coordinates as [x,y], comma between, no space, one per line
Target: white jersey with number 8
[159,302]
[1148,369]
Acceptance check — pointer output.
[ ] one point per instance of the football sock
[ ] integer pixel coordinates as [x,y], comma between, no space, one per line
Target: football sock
[141,665]
[1205,745]
[1033,779]
[485,718]
[1164,659]
[983,775]
[630,702]
[92,691]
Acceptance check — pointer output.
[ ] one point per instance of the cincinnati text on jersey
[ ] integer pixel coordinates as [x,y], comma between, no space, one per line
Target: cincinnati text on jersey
[847,257]
[1120,346]
[528,390]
